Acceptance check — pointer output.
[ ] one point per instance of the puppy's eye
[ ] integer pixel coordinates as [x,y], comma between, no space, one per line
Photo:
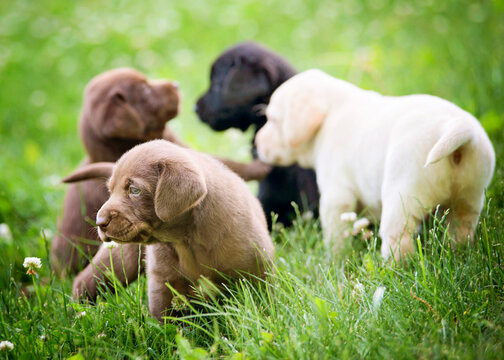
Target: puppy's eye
[133,190]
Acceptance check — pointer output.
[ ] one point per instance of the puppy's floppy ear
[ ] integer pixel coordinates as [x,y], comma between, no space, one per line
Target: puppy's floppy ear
[305,113]
[245,85]
[180,187]
[91,171]
[118,118]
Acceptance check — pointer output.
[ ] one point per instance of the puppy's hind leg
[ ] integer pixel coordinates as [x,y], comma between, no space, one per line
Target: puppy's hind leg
[464,218]
[399,222]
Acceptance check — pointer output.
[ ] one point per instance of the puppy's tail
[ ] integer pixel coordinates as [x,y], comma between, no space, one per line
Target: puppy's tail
[91,171]
[454,136]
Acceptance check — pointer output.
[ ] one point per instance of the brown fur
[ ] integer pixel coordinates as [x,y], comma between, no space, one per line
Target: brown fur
[121,108]
[197,217]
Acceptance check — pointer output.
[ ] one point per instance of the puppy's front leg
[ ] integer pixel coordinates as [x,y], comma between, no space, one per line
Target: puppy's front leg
[161,296]
[163,267]
[331,208]
[86,282]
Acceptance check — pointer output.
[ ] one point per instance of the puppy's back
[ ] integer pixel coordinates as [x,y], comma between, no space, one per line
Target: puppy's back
[232,218]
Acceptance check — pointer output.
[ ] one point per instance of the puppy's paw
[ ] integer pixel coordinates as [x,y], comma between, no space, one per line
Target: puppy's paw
[398,253]
[84,287]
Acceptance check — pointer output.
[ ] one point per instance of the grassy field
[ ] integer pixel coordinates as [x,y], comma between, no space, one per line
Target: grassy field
[446,303]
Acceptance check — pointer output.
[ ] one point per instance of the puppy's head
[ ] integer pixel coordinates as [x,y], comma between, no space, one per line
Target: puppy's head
[296,111]
[123,104]
[152,184]
[241,82]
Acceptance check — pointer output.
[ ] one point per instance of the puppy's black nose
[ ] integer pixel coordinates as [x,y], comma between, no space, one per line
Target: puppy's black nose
[102,222]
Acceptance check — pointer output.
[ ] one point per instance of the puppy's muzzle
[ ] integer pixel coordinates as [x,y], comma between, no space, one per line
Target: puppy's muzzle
[102,222]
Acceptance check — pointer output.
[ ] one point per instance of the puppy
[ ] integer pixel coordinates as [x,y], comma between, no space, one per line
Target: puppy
[197,218]
[397,157]
[242,81]
[121,108]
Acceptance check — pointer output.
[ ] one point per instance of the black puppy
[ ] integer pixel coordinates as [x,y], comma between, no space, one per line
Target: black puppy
[242,81]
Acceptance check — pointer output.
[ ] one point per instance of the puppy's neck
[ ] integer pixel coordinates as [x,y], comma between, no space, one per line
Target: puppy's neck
[100,148]
[176,230]
[307,156]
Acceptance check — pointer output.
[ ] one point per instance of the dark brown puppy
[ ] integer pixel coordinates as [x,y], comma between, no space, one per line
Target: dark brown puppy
[121,108]
[196,218]
[242,81]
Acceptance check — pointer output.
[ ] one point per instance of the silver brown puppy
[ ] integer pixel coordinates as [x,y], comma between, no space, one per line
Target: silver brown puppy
[197,217]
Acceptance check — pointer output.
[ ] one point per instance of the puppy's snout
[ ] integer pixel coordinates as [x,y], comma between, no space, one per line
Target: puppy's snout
[163,83]
[102,222]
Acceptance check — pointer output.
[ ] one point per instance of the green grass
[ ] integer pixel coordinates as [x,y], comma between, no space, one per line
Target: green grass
[446,303]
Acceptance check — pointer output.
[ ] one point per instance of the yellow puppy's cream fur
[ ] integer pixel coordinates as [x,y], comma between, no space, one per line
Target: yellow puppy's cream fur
[396,157]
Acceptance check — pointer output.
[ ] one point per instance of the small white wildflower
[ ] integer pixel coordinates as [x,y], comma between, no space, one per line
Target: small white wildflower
[102,335]
[110,245]
[80,315]
[348,217]
[358,290]
[5,232]
[6,346]
[43,338]
[179,303]
[378,297]
[359,287]
[32,263]
[360,224]
[47,233]
[308,215]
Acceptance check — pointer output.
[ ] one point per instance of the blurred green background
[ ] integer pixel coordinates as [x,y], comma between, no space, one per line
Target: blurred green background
[50,49]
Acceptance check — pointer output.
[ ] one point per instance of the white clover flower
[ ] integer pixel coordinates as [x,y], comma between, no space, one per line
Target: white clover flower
[360,224]
[101,335]
[5,232]
[32,263]
[47,233]
[43,338]
[110,245]
[348,217]
[307,215]
[359,287]
[80,315]
[378,297]
[358,290]
[179,303]
[6,346]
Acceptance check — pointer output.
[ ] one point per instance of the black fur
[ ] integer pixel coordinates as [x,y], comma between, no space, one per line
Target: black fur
[242,81]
